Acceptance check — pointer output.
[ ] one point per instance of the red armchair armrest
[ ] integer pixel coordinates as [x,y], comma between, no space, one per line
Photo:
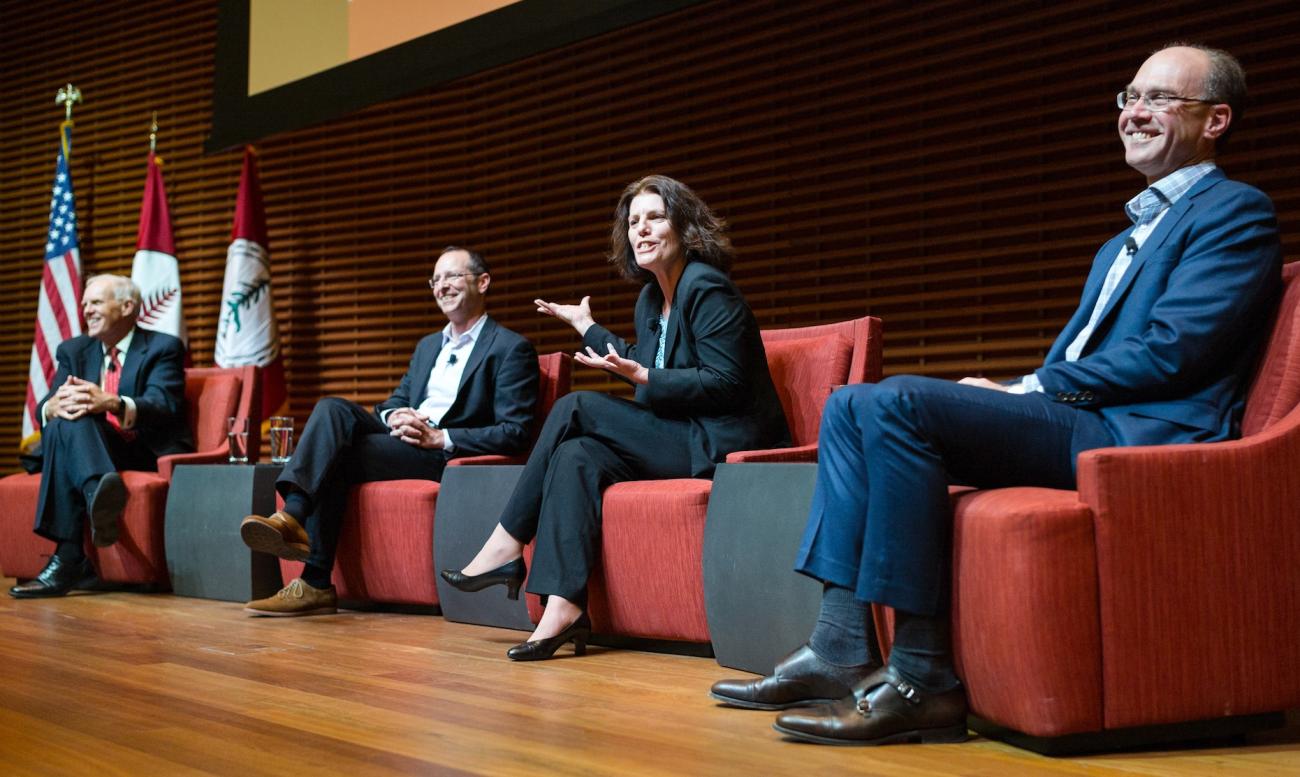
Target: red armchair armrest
[799,454]
[487,459]
[1196,574]
[167,463]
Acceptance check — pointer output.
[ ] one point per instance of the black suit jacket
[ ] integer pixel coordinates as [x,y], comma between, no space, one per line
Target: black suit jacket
[494,406]
[715,369]
[153,376]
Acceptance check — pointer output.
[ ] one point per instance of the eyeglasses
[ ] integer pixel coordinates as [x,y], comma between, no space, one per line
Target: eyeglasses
[1155,102]
[450,277]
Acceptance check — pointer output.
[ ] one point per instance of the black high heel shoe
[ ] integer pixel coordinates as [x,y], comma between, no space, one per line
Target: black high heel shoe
[541,649]
[510,574]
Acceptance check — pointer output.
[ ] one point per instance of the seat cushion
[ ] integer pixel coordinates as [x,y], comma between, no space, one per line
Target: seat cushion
[138,556]
[385,551]
[23,553]
[651,580]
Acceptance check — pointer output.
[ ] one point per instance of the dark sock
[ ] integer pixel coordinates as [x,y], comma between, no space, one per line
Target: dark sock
[70,551]
[298,505]
[844,634]
[88,490]
[314,576]
[922,652]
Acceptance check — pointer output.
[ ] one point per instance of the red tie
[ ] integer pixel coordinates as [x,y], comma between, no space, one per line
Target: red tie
[112,384]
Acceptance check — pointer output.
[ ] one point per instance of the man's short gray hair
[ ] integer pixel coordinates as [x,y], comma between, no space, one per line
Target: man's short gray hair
[1224,83]
[123,287]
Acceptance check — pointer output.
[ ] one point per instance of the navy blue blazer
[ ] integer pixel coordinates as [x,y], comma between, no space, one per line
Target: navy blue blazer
[153,376]
[1174,348]
[715,369]
[494,406]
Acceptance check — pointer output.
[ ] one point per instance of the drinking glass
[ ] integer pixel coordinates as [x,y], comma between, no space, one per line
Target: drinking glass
[281,439]
[237,434]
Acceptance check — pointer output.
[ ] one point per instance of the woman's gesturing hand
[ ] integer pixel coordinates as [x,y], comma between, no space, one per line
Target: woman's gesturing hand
[577,316]
[616,364]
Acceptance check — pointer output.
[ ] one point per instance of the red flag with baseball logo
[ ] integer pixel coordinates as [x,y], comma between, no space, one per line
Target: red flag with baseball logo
[247,333]
[155,269]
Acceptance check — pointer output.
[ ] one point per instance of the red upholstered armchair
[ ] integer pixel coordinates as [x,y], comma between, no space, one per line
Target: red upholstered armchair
[385,551]
[212,394]
[1165,590]
[650,582]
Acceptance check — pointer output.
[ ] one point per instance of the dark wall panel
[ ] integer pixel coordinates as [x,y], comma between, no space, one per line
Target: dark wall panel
[949,166]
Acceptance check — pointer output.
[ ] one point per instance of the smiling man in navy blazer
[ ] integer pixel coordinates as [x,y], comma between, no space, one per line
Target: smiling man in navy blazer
[471,389]
[1159,351]
[118,403]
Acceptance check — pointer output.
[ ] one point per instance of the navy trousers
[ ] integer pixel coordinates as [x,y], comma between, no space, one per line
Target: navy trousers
[881,520]
[74,452]
[589,442]
[344,444]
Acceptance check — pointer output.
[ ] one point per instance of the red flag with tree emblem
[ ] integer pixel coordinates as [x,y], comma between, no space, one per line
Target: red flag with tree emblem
[155,269]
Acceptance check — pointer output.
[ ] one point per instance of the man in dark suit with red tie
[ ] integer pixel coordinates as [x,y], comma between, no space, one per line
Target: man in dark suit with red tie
[118,403]
[471,389]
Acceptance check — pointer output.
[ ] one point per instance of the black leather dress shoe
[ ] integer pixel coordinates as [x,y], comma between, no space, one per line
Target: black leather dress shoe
[510,574]
[55,580]
[105,509]
[801,679]
[541,649]
[883,709]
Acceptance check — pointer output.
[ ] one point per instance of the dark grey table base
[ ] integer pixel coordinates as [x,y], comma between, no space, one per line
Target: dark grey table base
[470,504]
[205,556]
[758,608]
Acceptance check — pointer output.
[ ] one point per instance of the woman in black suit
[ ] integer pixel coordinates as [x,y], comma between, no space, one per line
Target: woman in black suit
[702,391]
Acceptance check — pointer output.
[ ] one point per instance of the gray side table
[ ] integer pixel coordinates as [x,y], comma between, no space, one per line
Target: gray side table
[470,504]
[759,609]
[205,556]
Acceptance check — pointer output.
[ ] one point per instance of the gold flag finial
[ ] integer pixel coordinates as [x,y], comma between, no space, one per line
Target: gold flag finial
[66,97]
[153,133]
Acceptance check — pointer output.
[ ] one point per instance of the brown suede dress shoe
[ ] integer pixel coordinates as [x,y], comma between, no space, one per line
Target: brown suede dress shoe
[296,598]
[278,534]
[883,709]
[800,679]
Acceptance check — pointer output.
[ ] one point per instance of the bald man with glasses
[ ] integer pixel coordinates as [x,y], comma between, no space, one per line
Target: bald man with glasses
[1159,351]
[471,389]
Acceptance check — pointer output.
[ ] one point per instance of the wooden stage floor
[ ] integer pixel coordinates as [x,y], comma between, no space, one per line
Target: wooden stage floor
[132,684]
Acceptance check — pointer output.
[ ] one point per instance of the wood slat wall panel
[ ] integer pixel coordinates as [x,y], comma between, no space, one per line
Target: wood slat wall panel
[948,166]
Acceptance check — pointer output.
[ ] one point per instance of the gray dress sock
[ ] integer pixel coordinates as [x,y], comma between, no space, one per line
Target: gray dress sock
[844,634]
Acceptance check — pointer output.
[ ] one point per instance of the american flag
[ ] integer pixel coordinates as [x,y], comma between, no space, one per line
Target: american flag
[58,311]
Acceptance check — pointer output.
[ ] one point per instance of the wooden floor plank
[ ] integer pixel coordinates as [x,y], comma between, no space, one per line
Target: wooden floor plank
[158,684]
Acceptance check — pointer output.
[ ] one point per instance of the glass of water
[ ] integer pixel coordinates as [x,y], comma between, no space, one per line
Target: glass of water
[237,434]
[281,439]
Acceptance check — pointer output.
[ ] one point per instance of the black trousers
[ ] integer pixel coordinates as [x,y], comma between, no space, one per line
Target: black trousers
[74,452]
[589,442]
[344,444]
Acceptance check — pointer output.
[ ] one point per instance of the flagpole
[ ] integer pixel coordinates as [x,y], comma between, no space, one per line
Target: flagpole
[153,133]
[66,97]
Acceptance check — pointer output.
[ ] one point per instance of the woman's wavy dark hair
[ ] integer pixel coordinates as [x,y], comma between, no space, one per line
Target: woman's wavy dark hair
[702,234]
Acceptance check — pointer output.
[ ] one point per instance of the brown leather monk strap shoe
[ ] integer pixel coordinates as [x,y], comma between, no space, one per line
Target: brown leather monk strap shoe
[296,598]
[278,534]
[800,679]
[882,709]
